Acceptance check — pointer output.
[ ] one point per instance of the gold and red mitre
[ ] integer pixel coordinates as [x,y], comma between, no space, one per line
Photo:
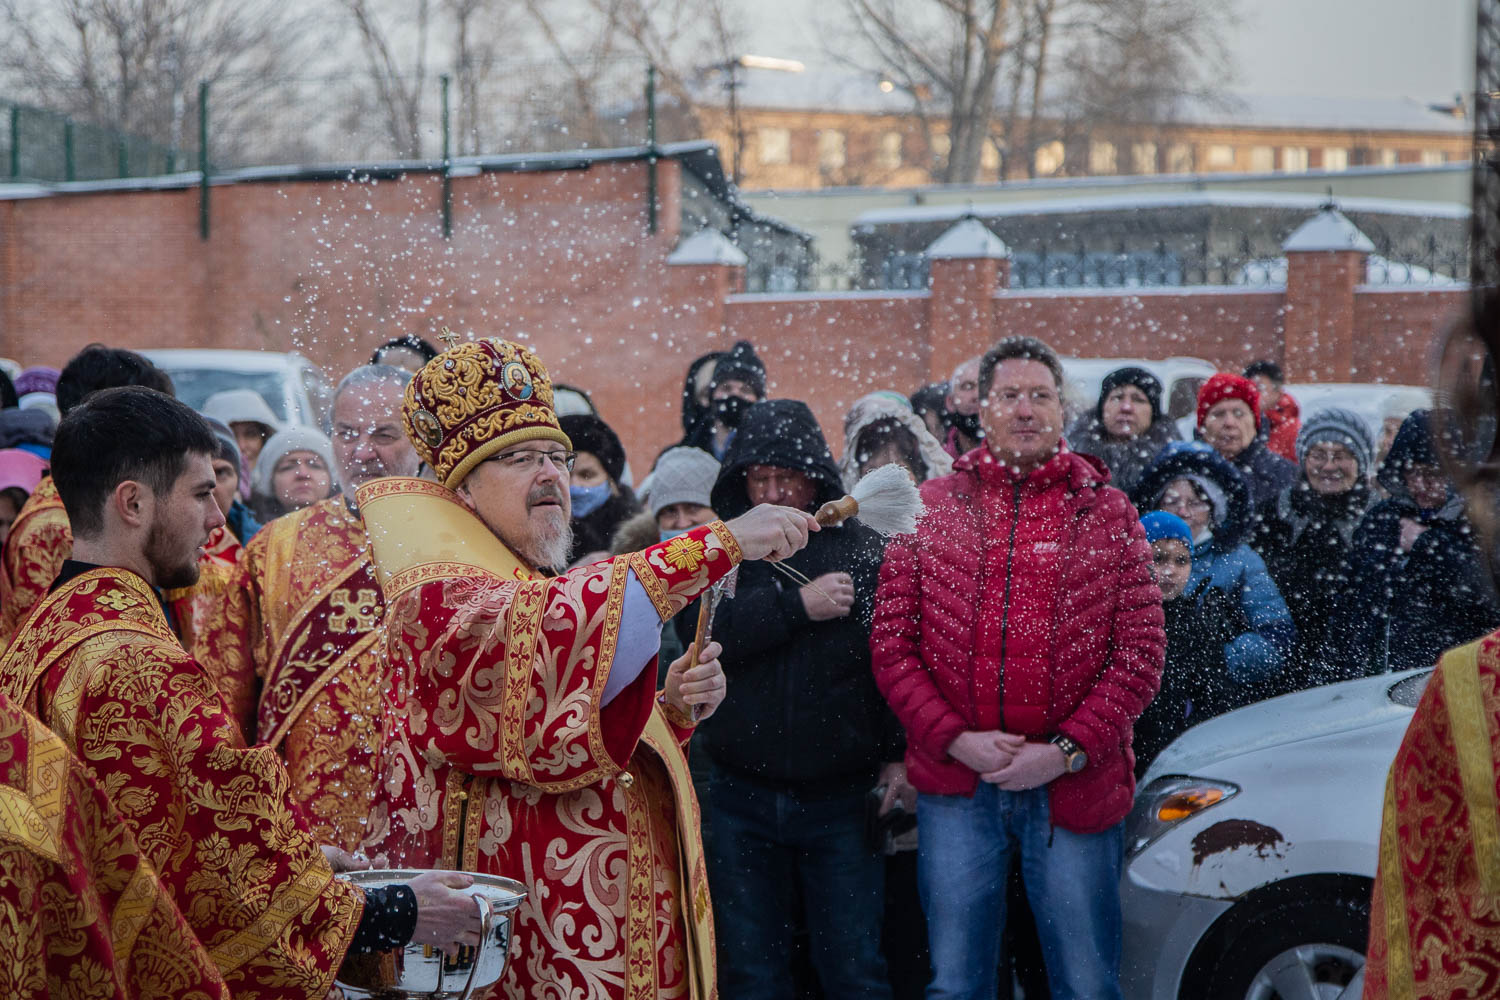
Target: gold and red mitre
[473,400]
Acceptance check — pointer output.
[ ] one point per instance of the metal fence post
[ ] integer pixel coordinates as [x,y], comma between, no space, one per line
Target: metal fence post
[15,141]
[68,166]
[651,148]
[447,166]
[122,156]
[203,160]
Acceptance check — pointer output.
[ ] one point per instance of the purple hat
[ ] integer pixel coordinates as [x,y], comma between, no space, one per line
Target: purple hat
[39,379]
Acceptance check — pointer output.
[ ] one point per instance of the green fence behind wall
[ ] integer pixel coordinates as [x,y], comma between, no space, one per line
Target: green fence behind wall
[41,145]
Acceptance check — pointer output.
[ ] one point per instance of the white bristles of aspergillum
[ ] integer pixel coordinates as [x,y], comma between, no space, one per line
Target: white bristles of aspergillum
[888,500]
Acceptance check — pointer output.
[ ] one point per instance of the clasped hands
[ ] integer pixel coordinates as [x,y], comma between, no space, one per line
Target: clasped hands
[1007,760]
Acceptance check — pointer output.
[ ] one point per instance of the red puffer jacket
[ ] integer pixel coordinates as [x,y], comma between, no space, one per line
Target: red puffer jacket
[1024,606]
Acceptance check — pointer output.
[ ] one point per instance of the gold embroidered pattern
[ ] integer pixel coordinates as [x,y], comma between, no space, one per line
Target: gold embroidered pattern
[684,552]
[359,612]
[115,600]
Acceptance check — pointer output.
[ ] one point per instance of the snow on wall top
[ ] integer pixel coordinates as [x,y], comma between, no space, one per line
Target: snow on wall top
[970,239]
[708,246]
[1330,229]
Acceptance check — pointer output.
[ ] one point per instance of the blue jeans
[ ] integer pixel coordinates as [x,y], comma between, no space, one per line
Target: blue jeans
[772,848]
[1072,881]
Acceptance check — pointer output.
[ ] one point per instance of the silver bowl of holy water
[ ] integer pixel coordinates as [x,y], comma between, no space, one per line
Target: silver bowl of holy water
[422,971]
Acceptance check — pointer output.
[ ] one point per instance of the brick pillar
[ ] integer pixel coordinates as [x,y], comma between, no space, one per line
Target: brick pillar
[968,263]
[702,273]
[1325,261]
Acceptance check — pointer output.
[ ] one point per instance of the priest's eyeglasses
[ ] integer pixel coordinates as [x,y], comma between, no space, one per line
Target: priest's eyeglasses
[531,459]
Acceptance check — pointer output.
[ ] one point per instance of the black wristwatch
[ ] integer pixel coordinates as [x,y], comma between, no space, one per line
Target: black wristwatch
[1075,758]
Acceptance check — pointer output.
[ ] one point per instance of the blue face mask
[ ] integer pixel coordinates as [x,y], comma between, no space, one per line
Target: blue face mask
[587,499]
[667,534]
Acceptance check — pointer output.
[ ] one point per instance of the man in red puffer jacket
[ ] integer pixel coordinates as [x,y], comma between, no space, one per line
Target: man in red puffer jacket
[1018,635]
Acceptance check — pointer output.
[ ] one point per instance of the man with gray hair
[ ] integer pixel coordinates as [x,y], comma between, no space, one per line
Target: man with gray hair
[298,626]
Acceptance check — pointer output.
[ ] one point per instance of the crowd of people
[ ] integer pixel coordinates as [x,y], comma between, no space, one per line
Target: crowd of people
[917,781]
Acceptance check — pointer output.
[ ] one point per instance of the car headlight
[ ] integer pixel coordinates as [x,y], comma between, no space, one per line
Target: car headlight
[1168,801]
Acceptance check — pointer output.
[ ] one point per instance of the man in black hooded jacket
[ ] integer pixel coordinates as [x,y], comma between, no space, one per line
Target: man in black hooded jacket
[738,383]
[806,735]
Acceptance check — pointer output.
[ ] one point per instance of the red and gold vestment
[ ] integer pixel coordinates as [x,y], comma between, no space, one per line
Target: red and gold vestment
[1435,915]
[98,663]
[295,634]
[505,762]
[39,542]
[82,914]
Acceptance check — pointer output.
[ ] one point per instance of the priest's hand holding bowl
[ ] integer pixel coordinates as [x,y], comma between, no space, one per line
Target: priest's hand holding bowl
[699,686]
[447,916]
[772,532]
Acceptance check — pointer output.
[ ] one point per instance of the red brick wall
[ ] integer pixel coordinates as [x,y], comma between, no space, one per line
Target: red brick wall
[563,260]
[1395,332]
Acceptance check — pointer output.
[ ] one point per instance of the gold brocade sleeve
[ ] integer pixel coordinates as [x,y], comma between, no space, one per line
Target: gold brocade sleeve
[38,544]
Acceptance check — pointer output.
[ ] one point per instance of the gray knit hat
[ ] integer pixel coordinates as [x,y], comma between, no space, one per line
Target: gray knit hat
[1339,426]
[682,475]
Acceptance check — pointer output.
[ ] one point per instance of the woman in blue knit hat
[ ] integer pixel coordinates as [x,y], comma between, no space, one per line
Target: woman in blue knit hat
[1305,534]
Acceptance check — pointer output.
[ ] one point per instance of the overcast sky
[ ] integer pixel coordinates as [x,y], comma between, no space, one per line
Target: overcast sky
[1376,48]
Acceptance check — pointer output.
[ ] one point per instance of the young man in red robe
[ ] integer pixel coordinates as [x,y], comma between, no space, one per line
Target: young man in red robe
[533,742]
[98,664]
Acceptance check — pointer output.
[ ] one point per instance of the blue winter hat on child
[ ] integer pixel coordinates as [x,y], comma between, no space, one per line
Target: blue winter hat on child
[1159,525]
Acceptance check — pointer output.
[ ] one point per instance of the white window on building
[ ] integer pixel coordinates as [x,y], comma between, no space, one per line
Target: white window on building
[1434,158]
[888,155]
[1101,157]
[1294,159]
[1179,158]
[1143,157]
[832,149]
[989,155]
[774,145]
[1049,158]
[1335,158]
[942,145]
[1262,159]
[1387,158]
[1220,157]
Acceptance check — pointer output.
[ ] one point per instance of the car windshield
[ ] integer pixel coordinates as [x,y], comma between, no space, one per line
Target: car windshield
[195,385]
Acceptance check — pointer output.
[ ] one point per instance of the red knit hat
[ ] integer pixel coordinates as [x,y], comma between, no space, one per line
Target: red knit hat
[1226,386]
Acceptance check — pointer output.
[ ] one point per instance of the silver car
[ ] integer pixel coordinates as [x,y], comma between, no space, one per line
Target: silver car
[1251,851]
[296,390]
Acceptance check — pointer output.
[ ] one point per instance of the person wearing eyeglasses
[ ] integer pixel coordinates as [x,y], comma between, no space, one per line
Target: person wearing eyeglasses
[1190,479]
[295,470]
[292,642]
[529,736]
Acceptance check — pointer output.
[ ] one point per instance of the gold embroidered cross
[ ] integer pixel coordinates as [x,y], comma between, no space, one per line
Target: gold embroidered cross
[116,600]
[449,337]
[353,613]
[684,553]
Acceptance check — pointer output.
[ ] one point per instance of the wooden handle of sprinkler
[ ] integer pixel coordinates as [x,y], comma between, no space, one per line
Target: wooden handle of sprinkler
[700,639]
[837,511]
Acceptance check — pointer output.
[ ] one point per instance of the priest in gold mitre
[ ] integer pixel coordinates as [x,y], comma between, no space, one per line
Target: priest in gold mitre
[1435,914]
[295,632]
[98,664]
[82,913]
[531,740]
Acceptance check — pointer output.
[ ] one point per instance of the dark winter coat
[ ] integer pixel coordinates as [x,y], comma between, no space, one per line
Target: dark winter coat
[1195,684]
[1305,539]
[804,711]
[1126,460]
[1228,563]
[1403,610]
[1265,472]
[1026,606]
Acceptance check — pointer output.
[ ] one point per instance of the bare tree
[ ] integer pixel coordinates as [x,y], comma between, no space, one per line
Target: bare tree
[1062,66]
[134,65]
